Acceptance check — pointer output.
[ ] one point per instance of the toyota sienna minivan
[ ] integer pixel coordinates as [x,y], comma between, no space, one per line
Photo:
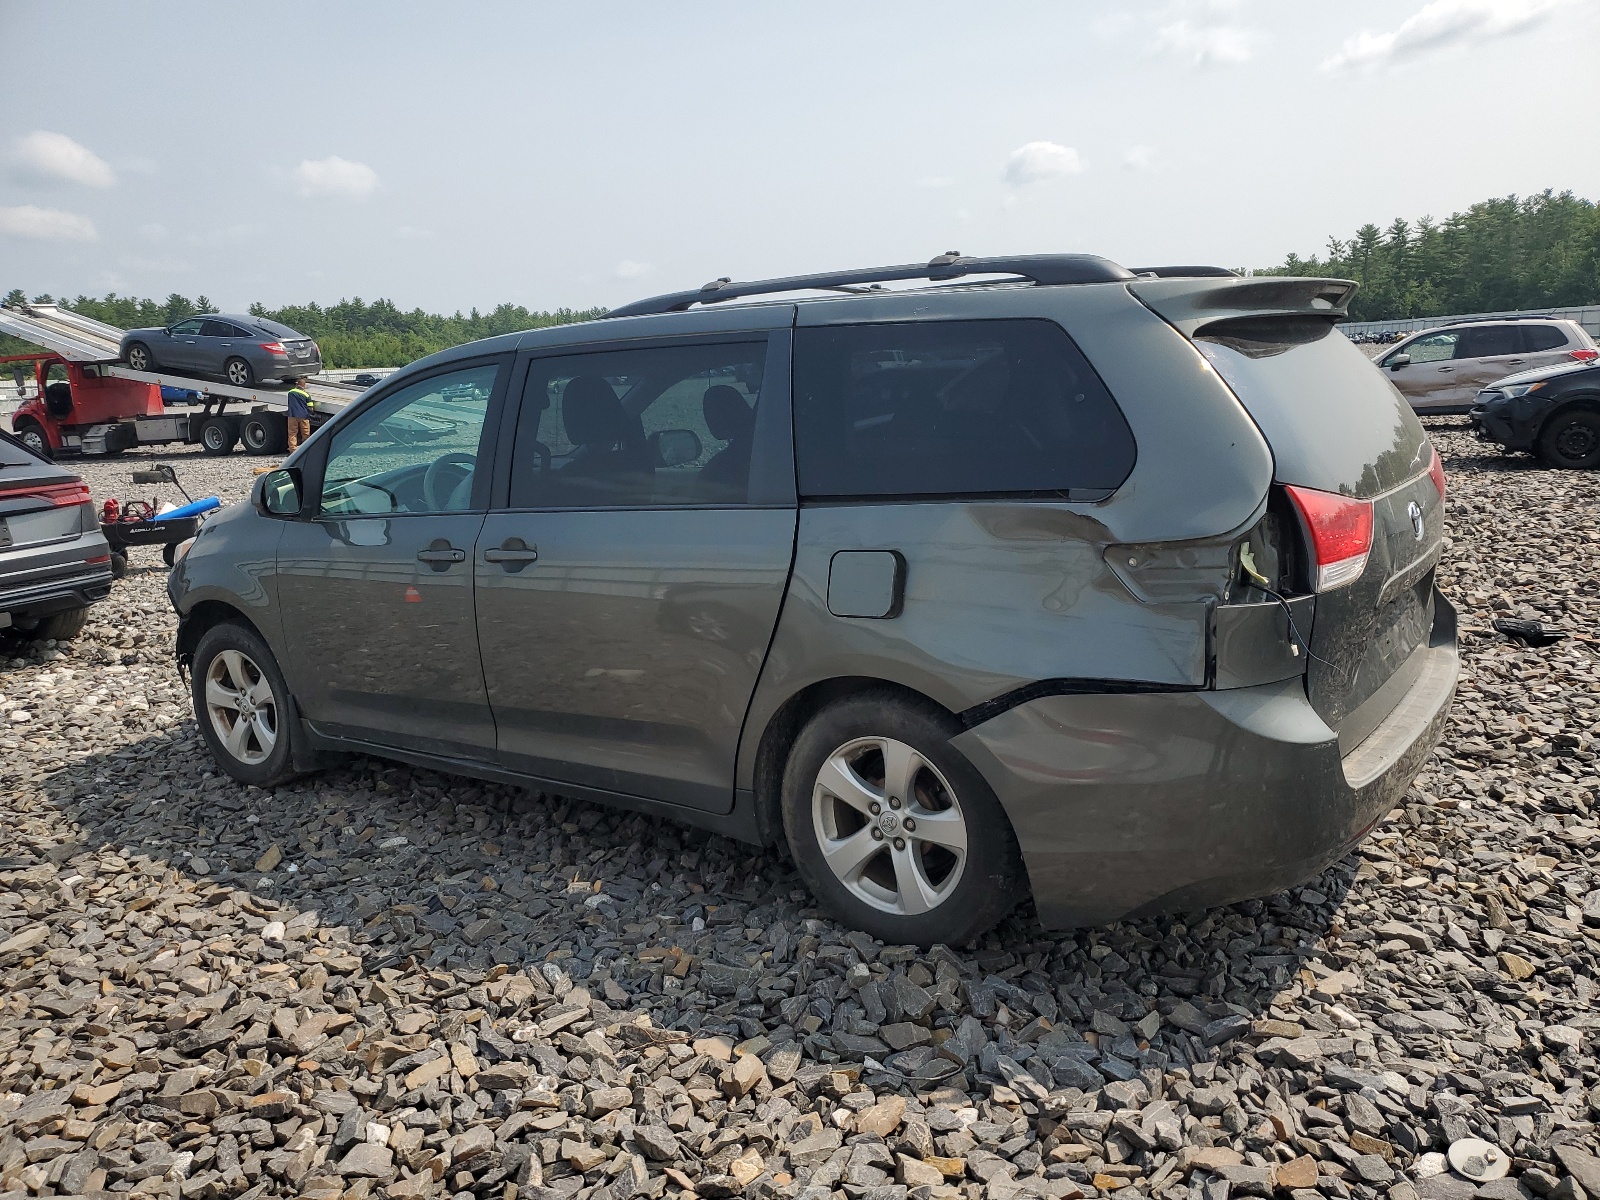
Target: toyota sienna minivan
[1038,576]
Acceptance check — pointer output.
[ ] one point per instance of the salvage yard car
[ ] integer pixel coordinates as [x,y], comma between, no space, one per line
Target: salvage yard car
[1441,371]
[54,561]
[1553,413]
[239,348]
[1041,576]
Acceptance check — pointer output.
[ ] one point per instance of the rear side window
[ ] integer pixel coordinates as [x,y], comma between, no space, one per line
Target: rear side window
[953,408]
[1544,337]
[220,329]
[639,428]
[1487,341]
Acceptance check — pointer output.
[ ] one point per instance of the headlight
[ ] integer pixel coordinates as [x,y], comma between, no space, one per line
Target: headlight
[1521,389]
[181,549]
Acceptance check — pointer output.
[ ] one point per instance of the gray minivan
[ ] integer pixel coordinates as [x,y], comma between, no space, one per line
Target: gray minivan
[1044,575]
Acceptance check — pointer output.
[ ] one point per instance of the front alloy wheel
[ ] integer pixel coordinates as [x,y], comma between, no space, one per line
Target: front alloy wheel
[889,825]
[242,708]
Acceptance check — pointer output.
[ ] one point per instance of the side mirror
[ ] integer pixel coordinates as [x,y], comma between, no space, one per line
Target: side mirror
[278,493]
[1398,361]
[674,447]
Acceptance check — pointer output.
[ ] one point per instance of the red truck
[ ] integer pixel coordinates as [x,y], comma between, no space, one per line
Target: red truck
[86,402]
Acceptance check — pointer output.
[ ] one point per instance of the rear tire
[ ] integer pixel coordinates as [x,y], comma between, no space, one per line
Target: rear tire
[31,435]
[1570,440]
[261,435]
[242,705]
[946,867]
[140,358]
[218,436]
[238,372]
[60,626]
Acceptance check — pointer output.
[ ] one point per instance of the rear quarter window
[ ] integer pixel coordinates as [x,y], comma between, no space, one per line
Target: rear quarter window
[1544,337]
[943,408]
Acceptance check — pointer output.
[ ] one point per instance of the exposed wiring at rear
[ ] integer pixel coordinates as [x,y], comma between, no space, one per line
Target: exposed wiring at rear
[1254,578]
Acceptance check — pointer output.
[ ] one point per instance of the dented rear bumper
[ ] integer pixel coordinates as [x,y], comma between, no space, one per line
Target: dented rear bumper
[1126,805]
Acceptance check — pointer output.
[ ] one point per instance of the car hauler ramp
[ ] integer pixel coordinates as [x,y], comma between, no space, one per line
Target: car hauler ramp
[98,346]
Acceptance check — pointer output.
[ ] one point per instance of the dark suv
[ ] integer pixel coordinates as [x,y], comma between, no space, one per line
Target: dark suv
[54,561]
[1051,575]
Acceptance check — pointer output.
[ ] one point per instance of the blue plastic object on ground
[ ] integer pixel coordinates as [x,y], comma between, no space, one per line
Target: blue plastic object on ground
[193,509]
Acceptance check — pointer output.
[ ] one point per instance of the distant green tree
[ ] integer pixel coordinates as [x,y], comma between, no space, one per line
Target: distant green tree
[1541,251]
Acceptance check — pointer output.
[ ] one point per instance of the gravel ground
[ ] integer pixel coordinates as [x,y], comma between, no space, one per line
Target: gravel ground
[382,981]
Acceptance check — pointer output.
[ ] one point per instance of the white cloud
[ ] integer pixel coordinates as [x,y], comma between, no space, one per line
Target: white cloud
[335,176]
[935,181]
[1138,158]
[412,233]
[49,155]
[1207,46]
[628,269]
[1438,25]
[1037,162]
[46,224]
[153,232]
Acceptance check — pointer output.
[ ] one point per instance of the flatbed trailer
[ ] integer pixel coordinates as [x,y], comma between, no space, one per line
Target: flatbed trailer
[105,407]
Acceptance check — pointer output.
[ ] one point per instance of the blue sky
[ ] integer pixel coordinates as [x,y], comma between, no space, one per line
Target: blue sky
[448,156]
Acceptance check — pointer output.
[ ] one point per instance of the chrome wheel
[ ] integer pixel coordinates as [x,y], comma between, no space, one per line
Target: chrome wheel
[889,825]
[239,373]
[243,711]
[33,439]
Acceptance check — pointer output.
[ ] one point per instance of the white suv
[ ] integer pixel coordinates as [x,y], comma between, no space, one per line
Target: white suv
[1443,370]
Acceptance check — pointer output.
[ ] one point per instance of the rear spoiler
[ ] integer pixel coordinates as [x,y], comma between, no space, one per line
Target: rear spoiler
[1191,304]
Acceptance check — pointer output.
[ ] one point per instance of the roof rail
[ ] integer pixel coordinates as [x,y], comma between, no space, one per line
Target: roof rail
[1035,268]
[1489,320]
[1186,272]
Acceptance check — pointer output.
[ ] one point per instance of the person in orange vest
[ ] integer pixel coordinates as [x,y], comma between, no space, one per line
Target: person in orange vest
[299,415]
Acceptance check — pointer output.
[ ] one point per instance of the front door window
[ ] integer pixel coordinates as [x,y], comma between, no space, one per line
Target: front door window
[415,451]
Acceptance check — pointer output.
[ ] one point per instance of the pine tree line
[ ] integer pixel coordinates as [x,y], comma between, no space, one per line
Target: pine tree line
[1500,255]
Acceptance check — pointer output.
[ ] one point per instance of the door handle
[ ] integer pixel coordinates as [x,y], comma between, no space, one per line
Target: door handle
[1447,368]
[513,554]
[1511,362]
[441,554]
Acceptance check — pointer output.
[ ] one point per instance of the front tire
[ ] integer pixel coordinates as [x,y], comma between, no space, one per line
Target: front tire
[1570,440]
[893,829]
[31,435]
[242,705]
[238,372]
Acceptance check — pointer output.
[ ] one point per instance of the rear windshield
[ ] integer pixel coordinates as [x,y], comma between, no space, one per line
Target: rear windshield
[953,408]
[1333,420]
[276,329]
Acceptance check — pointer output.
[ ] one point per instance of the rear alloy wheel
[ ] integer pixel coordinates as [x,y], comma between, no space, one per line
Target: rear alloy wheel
[1571,440]
[218,436]
[31,435]
[242,705]
[238,372]
[892,827]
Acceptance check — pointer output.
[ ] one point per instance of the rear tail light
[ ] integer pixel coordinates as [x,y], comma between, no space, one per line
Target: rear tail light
[57,495]
[1341,535]
[1585,355]
[1436,471]
[273,347]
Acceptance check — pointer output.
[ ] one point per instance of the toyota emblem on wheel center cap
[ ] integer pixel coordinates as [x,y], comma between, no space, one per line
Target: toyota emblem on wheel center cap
[1414,511]
[888,822]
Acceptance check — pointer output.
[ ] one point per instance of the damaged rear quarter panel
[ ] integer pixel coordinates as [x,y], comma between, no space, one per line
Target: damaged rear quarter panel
[1003,593]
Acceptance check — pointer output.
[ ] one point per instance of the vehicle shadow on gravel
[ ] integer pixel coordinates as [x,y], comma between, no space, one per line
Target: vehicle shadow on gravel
[443,872]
